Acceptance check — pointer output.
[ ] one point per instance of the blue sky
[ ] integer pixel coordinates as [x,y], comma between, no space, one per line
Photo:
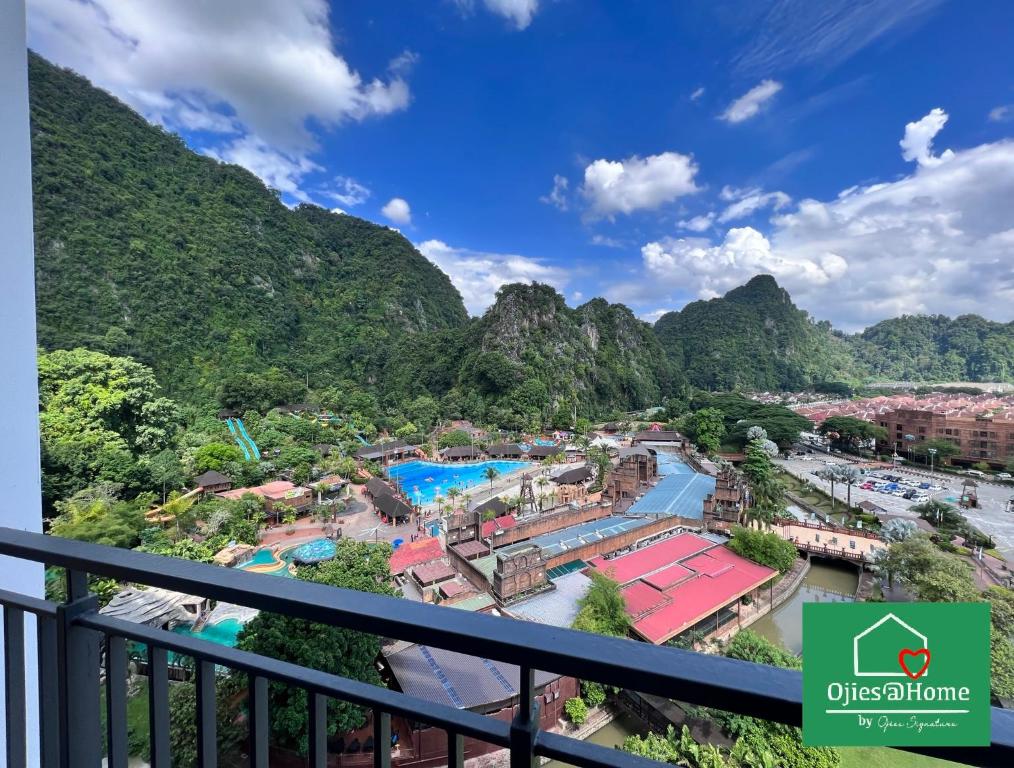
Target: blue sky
[650,152]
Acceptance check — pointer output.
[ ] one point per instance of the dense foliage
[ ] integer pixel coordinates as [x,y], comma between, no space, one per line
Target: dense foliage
[752,338]
[146,248]
[359,566]
[937,348]
[764,547]
[739,414]
[603,610]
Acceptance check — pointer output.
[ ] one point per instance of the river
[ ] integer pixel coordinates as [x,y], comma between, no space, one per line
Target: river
[825,583]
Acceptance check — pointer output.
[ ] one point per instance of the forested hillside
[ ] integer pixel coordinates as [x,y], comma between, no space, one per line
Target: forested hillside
[193,267]
[147,249]
[531,357]
[934,347]
[754,337]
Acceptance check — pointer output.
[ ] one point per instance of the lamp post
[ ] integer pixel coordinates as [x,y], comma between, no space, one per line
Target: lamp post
[932,452]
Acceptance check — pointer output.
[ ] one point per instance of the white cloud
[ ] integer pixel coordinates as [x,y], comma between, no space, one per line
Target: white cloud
[624,186]
[697,94]
[792,33]
[1001,114]
[607,242]
[700,223]
[653,315]
[347,191]
[940,240]
[711,270]
[750,103]
[256,71]
[279,170]
[917,143]
[398,211]
[518,12]
[557,196]
[478,275]
[748,202]
[338,211]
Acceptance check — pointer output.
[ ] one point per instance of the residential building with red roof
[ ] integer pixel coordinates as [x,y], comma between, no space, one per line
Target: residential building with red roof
[682,582]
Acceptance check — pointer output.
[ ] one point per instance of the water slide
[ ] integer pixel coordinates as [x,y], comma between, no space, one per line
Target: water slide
[246,436]
[361,439]
[238,439]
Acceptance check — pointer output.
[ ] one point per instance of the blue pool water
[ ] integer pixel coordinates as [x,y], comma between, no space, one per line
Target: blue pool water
[318,549]
[260,557]
[420,480]
[223,632]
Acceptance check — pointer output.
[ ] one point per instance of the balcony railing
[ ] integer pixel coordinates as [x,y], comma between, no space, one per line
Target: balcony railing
[76,642]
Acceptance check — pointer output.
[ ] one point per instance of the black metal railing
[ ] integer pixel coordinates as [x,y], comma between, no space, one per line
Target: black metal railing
[72,635]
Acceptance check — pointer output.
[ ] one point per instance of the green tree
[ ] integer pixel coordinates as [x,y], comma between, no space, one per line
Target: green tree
[706,428]
[453,439]
[96,515]
[764,547]
[215,456]
[358,566]
[183,723]
[98,416]
[603,610]
[945,450]
[848,432]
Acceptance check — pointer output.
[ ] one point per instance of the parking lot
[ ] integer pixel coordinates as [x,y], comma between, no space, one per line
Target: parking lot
[991,517]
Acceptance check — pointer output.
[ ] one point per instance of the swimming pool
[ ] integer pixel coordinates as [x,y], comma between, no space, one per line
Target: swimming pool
[223,632]
[422,480]
[311,552]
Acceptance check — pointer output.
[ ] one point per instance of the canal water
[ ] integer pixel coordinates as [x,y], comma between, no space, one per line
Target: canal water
[825,583]
[612,734]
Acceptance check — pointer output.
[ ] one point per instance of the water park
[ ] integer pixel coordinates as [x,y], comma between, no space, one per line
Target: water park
[423,481]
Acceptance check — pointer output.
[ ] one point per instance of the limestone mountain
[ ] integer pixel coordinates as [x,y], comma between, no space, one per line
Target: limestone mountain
[194,267]
[531,354]
[753,338]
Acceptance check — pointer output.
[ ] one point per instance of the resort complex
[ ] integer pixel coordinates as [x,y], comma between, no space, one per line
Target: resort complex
[507,384]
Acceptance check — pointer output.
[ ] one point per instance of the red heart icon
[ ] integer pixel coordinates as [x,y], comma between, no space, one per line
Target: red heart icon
[924,652]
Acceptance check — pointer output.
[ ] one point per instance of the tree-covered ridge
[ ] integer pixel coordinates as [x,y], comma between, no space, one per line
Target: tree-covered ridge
[146,248]
[755,338]
[935,347]
[752,338]
[535,360]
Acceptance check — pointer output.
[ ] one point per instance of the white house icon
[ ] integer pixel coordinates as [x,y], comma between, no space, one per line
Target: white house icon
[887,664]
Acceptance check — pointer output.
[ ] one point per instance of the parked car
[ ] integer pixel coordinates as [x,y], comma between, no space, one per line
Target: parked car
[1004,476]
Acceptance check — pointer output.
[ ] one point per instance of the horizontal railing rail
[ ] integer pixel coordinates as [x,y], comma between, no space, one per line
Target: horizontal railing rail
[70,641]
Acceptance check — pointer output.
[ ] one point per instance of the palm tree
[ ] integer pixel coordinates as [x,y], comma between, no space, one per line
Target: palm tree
[849,476]
[491,474]
[830,475]
[466,500]
[452,494]
[542,482]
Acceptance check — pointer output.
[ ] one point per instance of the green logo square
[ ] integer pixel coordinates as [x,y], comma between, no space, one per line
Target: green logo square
[896,674]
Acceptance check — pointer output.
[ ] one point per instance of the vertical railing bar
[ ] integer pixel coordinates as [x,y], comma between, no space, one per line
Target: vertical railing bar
[523,730]
[116,702]
[49,703]
[78,656]
[318,729]
[455,750]
[207,713]
[158,706]
[14,685]
[381,739]
[258,706]
[77,585]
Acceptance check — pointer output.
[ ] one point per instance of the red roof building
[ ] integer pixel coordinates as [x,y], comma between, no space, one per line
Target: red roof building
[671,586]
[415,553]
[490,527]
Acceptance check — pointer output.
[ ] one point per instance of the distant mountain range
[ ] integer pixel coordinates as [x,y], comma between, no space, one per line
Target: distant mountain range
[147,249]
